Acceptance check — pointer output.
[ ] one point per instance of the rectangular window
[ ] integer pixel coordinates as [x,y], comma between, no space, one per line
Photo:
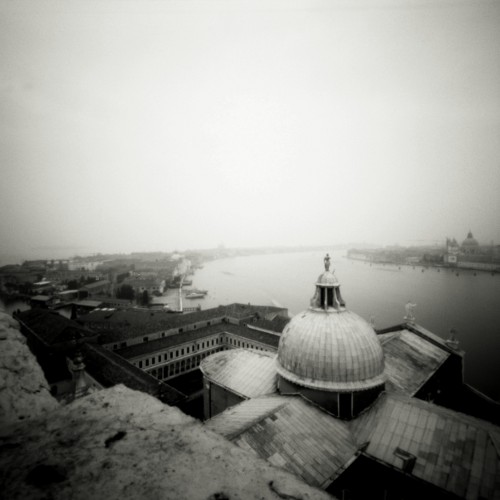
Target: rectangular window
[140,364]
[187,350]
[182,352]
[177,353]
[145,339]
[147,362]
[171,354]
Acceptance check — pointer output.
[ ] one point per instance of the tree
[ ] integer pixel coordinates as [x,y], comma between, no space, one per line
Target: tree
[125,292]
[145,298]
[73,285]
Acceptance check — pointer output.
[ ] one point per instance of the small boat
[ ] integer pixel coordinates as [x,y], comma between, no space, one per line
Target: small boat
[194,295]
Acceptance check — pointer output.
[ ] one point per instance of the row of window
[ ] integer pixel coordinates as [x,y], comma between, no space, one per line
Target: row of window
[178,352]
[97,326]
[183,351]
[182,366]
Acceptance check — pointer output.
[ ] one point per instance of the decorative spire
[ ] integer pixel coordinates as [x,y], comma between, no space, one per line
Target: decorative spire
[452,341]
[326,260]
[327,296]
[77,368]
[409,308]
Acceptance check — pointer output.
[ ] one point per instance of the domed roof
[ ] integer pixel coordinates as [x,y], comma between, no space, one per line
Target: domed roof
[327,278]
[331,351]
[328,347]
[470,241]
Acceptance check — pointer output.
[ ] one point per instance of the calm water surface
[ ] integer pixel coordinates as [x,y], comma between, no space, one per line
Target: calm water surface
[469,303]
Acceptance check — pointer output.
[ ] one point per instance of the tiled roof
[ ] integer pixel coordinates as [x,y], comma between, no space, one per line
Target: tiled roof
[88,303]
[95,284]
[51,327]
[110,369]
[290,433]
[453,451]
[277,324]
[192,335]
[130,323]
[247,373]
[410,360]
[331,351]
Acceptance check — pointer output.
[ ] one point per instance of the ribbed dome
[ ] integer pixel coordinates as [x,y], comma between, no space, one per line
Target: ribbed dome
[334,350]
[327,278]
[470,241]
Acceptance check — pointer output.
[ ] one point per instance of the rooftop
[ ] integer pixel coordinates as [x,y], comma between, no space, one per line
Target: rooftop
[51,327]
[109,369]
[450,450]
[192,335]
[453,451]
[244,372]
[290,433]
[410,360]
[132,323]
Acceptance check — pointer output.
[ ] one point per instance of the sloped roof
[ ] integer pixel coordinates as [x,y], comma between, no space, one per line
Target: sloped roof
[277,324]
[245,372]
[290,433]
[110,369]
[410,360]
[451,450]
[131,323]
[95,284]
[51,327]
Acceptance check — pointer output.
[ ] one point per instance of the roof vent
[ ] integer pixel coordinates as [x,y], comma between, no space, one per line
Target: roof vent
[407,458]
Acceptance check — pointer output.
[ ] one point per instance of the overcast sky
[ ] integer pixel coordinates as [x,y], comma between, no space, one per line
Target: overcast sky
[161,125]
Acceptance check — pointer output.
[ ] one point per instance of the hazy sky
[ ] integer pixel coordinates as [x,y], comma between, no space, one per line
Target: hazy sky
[154,125]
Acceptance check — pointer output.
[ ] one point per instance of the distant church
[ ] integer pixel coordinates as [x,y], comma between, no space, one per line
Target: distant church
[354,412]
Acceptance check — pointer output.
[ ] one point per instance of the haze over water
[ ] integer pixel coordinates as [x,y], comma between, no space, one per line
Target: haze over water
[466,302]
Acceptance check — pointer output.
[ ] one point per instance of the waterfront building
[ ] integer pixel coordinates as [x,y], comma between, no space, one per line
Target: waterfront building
[452,252]
[141,285]
[470,246]
[339,402]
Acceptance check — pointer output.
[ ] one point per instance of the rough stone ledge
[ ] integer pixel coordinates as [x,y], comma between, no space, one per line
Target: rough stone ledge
[119,443]
[24,392]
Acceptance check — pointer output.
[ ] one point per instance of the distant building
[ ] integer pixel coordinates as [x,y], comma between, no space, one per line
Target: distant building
[470,246]
[452,252]
[96,288]
[141,285]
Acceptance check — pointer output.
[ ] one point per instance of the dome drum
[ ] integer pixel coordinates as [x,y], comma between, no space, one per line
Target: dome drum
[344,405]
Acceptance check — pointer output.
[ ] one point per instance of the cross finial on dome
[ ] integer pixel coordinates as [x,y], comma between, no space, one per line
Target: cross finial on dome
[326,260]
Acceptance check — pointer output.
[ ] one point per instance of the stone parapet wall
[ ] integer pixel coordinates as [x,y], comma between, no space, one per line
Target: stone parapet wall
[117,444]
[24,392]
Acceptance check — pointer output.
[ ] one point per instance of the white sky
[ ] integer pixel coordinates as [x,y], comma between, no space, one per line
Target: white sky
[154,125]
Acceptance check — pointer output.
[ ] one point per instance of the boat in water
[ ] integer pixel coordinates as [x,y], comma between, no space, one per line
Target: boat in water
[195,295]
